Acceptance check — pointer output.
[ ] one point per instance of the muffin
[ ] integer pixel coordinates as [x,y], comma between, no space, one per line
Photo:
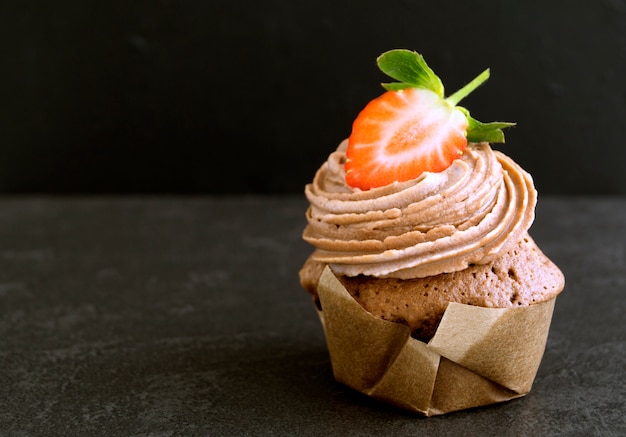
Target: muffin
[423,269]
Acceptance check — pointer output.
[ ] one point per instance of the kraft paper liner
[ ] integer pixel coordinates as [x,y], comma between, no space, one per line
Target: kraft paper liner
[478,356]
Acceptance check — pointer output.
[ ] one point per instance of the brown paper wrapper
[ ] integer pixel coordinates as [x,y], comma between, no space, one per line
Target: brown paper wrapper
[478,356]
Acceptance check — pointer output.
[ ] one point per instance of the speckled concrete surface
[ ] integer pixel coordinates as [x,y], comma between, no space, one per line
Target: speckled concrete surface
[183,316]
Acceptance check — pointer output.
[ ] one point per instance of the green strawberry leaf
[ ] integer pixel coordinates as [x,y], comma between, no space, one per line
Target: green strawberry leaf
[489,132]
[410,69]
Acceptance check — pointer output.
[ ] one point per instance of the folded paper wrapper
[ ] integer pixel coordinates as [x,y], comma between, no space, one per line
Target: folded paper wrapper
[478,356]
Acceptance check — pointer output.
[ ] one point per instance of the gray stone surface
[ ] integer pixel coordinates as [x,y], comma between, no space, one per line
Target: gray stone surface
[183,316]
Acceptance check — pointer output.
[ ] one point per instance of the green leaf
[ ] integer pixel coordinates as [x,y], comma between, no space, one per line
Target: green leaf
[489,132]
[410,69]
[396,86]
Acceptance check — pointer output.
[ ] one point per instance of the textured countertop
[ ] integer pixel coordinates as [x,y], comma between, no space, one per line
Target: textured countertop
[164,316]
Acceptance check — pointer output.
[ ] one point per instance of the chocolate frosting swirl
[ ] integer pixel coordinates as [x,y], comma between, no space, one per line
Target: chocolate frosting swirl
[471,213]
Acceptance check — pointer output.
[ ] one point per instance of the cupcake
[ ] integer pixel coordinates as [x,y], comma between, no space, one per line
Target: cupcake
[432,294]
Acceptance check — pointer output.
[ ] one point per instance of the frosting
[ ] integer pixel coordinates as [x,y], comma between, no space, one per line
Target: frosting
[471,213]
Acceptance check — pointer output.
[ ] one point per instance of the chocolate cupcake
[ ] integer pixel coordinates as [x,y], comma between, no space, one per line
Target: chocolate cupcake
[423,268]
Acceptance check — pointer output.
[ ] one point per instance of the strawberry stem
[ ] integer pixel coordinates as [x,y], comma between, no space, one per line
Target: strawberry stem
[455,98]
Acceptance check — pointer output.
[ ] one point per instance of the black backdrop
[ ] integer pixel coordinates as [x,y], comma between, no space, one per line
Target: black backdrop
[234,96]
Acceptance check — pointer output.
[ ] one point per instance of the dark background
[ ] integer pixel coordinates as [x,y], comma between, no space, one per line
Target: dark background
[233,96]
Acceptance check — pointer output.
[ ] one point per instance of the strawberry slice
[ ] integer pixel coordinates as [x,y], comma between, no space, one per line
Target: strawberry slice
[402,134]
[412,128]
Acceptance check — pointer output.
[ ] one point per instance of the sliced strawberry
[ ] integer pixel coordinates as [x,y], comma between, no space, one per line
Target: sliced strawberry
[402,134]
[412,128]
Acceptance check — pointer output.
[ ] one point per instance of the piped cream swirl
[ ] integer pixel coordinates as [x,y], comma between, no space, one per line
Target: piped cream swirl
[471,213]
